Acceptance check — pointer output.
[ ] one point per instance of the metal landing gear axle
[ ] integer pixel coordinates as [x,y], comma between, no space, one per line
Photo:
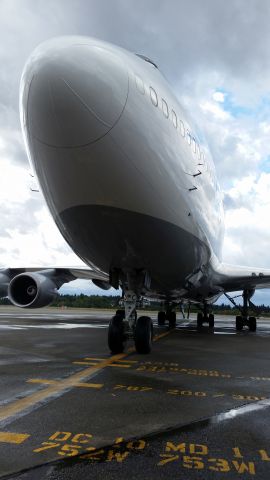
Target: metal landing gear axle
[124,325]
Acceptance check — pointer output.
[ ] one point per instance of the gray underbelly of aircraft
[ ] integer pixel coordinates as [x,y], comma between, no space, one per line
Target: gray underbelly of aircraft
[114,238]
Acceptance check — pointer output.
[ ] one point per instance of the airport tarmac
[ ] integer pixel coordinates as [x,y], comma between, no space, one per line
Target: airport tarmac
[197,407]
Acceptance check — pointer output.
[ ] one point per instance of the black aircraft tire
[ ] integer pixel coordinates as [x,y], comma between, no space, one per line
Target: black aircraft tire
[252,324]
[116,339]
[172,320]
[211,320]
[239,323]
[199,319]
[143,335]
[161,318]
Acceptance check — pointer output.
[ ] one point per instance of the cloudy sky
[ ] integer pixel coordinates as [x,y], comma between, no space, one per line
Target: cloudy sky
[215,54]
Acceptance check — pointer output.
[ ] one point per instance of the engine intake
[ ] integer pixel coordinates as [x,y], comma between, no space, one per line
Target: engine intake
[32,290]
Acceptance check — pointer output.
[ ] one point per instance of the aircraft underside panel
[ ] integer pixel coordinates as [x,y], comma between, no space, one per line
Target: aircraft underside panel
[113,238]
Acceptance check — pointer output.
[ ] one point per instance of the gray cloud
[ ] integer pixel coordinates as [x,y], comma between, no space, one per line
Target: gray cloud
[20,216]
[193,42]
[242,201]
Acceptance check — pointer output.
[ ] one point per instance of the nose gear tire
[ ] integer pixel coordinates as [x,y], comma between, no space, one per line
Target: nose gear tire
[143,335]
[161,318]
[199,320]
[116,337]
[239,323]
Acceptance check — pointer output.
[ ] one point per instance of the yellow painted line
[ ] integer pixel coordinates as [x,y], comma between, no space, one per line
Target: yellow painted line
[41,380]
[127,361]
[87,359]
[119,365]
[8,437]
[59,382]
[95,359]
[164,334]
[86,363]
[22,404]
[111,365]
[90,385]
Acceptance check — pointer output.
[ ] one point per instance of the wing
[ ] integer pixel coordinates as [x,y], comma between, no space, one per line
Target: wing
[233,277]
[59,275]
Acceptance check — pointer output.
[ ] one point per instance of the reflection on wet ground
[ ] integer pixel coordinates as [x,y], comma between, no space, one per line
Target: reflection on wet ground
[196,407]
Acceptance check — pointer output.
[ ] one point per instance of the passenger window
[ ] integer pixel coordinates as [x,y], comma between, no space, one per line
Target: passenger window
[188,137]
[182,128]
[165,108]
[153,96]
[139,85]
[194,145]
[174,118]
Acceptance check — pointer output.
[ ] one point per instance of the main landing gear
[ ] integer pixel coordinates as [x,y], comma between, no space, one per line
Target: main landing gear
[169,315]
[244,319]
[250,322]
[125,325]
[205,317]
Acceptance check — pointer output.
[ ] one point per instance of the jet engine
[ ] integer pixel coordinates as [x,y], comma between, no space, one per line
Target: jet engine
[32,290]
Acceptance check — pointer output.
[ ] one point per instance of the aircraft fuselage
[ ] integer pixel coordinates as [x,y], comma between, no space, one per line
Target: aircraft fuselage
[129,182]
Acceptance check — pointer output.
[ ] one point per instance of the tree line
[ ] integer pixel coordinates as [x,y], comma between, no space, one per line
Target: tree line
[110,301]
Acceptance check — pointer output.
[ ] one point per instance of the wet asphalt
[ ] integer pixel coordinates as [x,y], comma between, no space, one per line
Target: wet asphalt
[197,407]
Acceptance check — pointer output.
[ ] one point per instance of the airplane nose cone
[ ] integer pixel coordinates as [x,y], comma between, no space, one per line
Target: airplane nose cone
[73,94]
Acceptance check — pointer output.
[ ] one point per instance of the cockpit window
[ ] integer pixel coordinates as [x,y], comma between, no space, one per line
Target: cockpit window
[147,59]
[139,84]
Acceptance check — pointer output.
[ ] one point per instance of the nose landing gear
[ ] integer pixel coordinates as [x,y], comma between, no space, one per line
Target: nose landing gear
[116,334]
[143,335]
[125,325]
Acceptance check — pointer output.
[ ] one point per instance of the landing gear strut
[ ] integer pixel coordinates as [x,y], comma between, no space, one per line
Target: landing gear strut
[205,317]
[244,319]
[125,325]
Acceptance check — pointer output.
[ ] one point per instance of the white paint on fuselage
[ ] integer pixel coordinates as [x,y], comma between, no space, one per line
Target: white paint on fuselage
[129,154]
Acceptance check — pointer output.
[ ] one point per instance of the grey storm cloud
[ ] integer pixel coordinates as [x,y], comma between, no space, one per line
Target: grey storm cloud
[11,216]
[189,39]
[184,37]
[242,201]
[246,238]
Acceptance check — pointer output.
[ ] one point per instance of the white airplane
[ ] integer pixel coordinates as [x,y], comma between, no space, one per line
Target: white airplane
[130,184]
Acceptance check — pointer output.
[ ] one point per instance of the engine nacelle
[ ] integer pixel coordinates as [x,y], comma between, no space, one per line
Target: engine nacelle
[31,290]
[4,282]
[101,284]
